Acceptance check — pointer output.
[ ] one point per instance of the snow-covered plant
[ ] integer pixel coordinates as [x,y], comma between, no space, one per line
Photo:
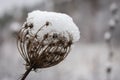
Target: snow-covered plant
[109,35]
[45,39]
[114,8]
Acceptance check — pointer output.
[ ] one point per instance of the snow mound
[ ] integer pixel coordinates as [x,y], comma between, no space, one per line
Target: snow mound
[59,22]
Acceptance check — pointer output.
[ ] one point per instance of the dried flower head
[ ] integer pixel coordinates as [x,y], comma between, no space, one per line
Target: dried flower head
[45,52]
[46,38]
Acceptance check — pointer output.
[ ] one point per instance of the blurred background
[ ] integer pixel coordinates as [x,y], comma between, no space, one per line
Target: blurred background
[96,56]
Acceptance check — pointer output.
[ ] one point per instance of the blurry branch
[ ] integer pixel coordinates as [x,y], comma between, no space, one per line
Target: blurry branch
[109,35]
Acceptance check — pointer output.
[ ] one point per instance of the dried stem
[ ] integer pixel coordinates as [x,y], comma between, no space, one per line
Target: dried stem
[26,73]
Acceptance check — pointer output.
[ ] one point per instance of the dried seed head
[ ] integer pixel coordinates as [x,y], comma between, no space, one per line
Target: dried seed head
[47,23]
[46,52]
[30,25]
[42,46]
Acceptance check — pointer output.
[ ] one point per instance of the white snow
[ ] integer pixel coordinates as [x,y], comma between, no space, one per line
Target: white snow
[112,23]
[59,22]
[107,35]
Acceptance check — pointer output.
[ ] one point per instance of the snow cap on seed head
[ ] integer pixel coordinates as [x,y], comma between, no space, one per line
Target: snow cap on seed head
[57,22]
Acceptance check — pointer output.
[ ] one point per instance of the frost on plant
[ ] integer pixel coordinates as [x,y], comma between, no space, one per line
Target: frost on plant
[46,38]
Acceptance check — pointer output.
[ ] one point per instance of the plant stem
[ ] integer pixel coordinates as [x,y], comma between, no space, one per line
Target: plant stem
[26,73]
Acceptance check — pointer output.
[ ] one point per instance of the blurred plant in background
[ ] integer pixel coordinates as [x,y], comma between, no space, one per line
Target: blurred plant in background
[108,37]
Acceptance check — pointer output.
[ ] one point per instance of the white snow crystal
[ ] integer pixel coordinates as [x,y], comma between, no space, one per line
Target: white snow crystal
[59,22]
